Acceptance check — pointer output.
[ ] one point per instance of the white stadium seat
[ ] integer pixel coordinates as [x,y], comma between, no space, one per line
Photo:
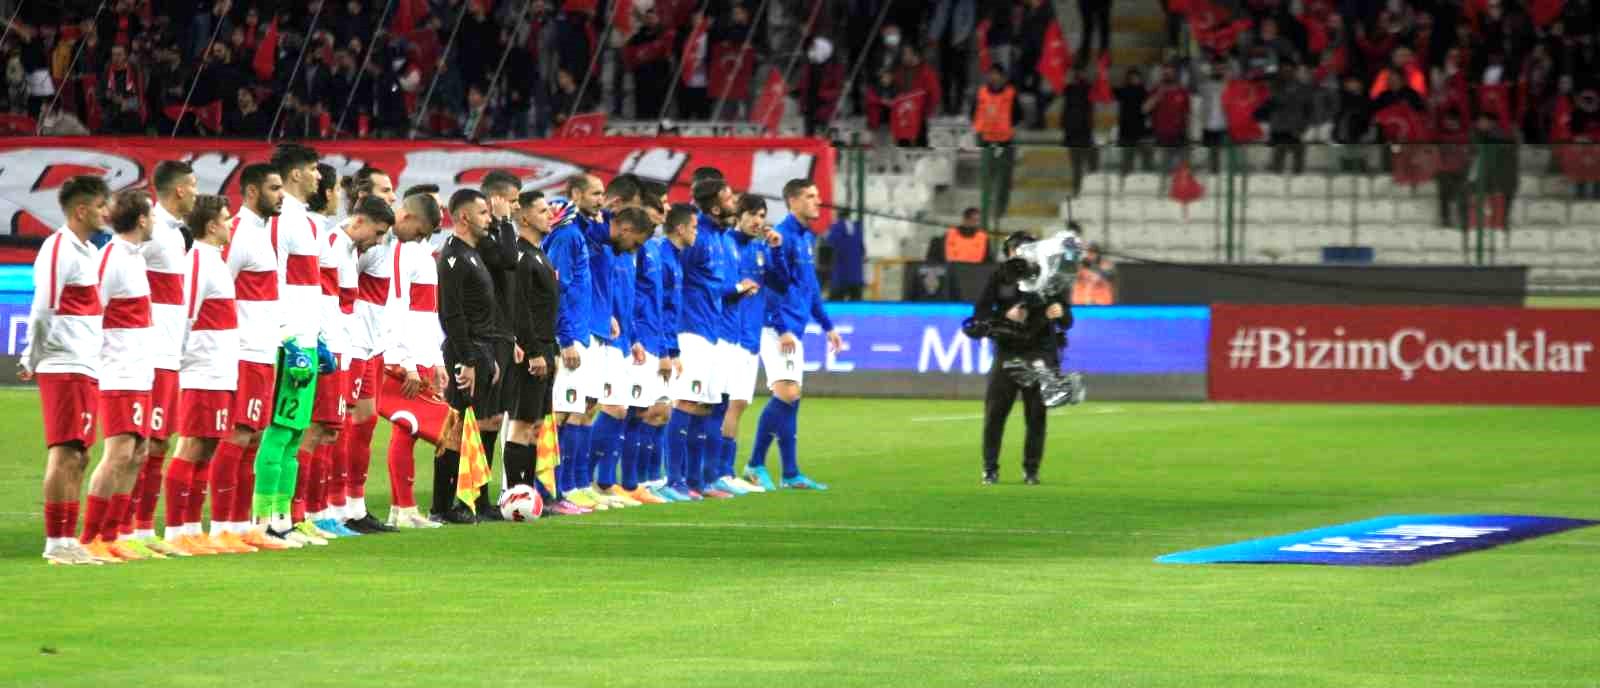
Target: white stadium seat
[1586,214]
[1314,237]
[1441,239]
[1095,185]
[1180,236]
[1375,211]
[1141,183]
[1531,238]
[1542,212]
[1395,238]
[1575,240]
[1343,185]
[1125,210]
[1163,210]
[1308,186]
[1136,237]
[1278,239]
[1415,210]
[1270,185]
[1552,185]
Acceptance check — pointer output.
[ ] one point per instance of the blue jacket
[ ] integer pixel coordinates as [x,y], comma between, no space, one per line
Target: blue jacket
[790,312]
[849,251]
[568,252]
[758,262]
[671,293]
[598,234]
[647,326]
[703,287]
[728,326]
[624,272]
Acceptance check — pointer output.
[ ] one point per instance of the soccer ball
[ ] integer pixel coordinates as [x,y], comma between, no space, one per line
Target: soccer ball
[521,503]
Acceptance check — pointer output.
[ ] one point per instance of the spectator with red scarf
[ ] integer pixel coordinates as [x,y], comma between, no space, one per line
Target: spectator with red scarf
[122,95]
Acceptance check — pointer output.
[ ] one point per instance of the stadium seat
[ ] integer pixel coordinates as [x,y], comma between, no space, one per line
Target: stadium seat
[1314,237]
[1399,237]
[1531,238]
[1541,213]
[1123,209]
[1397,257]
[938,169]
[1415,210]
[1271,211]
[1308,187]
[1163,210]
[1141,184]
[1441,239]
[1202,210]
[1095,185]
[1269,185]
[1178,236]
[1381,186]
[1552,185]
[1573,240]
[1344,185]
[1586,213]
[1277,239]
[1373,211]
[1135,237]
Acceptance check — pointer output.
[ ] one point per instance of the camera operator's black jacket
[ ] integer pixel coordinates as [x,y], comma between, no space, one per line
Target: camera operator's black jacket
[1038,336]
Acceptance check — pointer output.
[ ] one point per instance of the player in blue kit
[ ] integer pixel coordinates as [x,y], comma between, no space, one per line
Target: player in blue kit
[782,352]
[647,393]
[568,252]
[757,257]
[698,387]
[679,231]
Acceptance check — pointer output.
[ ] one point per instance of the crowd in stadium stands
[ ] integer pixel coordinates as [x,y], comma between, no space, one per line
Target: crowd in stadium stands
[1283,72]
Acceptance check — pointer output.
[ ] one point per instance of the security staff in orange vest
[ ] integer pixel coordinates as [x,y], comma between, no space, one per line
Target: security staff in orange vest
[964,243]
[994,120]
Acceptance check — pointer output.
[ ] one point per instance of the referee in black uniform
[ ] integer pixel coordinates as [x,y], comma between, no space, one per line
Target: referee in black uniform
[535,296]
[1028,326]
[474,339]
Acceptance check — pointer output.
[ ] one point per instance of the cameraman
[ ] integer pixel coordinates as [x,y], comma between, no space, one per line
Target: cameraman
[1026,326]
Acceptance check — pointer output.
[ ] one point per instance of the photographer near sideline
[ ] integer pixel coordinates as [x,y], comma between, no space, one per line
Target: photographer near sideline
[1024,310]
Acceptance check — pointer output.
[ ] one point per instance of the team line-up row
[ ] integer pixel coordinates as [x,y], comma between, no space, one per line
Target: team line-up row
[615,337]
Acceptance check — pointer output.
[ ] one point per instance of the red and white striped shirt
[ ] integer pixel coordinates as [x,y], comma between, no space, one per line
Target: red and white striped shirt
[369,335]
[64,322]
[300,291]
[164,257]
[127,353]
[414,307]
[252,258]
[211,344]
[338,267]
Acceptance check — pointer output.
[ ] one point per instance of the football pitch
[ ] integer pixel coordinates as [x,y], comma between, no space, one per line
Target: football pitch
[907,573]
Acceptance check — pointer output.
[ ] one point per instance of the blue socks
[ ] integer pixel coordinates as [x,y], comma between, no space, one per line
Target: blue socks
[604,437]
[580,456]
[650,452]
[730,450]
[676,432]
[714,441]
[694,468]
[766,430]
[630,453]
[779,421]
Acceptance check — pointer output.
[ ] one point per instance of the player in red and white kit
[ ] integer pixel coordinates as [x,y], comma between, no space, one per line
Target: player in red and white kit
[127,372]
[252,258]
[332,402]
[368,341]
[207,375]
[414,379]
[366,226]
[176,189]
[63,355]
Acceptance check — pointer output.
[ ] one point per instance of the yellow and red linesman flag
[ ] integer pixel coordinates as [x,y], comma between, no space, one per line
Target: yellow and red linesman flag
[474,471]
[547,454]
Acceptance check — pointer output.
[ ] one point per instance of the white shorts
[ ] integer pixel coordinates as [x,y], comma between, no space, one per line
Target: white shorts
[779,366]
[647,387]
[740,373]
[616,377]
[571,386]
[729,355]
[700,382]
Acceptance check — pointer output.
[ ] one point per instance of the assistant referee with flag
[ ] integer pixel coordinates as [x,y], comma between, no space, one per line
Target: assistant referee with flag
[473,340]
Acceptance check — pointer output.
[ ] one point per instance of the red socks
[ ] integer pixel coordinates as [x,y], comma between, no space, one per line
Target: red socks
[115,516]
[402,467]
[302,483]
[60,519]
[244,483]
[93,517]
[197,490]
[359,450]
[226,482]
[145,500]
[179,475]
[339,470]
[317,494]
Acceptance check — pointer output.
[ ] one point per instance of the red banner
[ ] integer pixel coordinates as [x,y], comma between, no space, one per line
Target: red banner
[907,115]
[733,65]
[33,169]
[1430,355]
[585,126]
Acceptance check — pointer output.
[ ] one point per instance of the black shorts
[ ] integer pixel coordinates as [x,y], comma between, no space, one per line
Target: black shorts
[528,396]
[487,396]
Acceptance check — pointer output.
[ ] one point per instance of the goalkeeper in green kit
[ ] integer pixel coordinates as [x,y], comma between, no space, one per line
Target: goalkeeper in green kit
[302,356]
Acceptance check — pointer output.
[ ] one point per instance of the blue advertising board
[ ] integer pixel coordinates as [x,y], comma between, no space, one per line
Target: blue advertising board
[1383,541]
[927,338]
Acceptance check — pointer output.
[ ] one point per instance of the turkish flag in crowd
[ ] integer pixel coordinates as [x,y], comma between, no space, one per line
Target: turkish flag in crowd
[1496,100]
[769,107]
[266,53]
[732,67]
[1185,188]
[1240,100]
[1055,60]
[586,125]
[694,49]
[907,113]
[1222,37]
[1401,123]
[1544,12]
[1101,91]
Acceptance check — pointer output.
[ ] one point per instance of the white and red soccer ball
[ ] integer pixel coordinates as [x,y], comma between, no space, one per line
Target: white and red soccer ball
[521,503]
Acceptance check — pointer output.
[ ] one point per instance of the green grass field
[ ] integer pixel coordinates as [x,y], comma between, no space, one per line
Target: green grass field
[907,573]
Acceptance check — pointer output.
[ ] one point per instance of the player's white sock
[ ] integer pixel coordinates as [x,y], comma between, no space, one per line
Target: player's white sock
[144,534]
[358,507]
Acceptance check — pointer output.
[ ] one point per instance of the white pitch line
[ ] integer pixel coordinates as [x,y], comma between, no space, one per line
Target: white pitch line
[1091,410]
